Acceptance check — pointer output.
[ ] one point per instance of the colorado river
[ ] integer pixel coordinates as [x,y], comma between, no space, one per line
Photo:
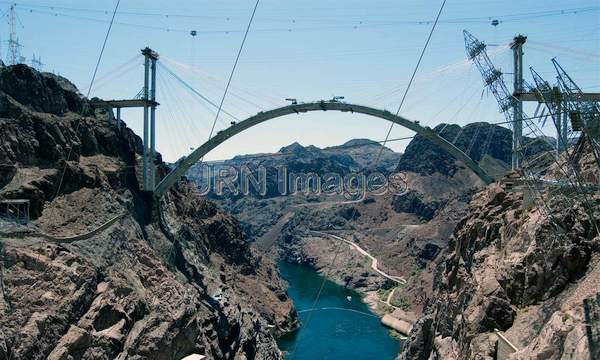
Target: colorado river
[342,326]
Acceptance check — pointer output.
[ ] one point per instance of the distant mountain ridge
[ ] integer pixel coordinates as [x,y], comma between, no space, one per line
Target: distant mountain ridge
[359,151]
[353,156]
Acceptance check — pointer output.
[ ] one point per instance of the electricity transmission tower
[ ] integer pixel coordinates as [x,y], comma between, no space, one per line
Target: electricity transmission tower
[14,47]
[583,110]
[552,97]
[37,63]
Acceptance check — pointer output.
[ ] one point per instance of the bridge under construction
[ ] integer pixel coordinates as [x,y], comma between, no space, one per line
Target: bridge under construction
[574,113]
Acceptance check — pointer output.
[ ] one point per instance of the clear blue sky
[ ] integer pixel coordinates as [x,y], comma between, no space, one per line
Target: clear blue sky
[309,50]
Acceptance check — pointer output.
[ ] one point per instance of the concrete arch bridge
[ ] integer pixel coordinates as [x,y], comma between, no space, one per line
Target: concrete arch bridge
[333,105]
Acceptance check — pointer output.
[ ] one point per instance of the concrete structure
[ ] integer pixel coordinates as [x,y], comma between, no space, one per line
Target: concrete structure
[148,102]
[517,46]
[15,210]
[591,310]
[261,117]
[401,326]
[194,357]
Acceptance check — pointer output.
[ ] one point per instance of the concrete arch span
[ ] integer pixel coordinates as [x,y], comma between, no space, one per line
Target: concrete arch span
[171,178]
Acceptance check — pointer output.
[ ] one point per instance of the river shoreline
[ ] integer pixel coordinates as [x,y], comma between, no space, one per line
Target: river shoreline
[370,296]
[326,332]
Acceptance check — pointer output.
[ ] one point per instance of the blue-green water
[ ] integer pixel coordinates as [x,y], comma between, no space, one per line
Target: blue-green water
[339,328]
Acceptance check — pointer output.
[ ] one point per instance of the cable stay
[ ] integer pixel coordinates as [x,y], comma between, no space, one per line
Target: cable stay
[488,141]
[116,72]
[180,106]
[473,140]
[458,66]
[180,103]
[194,91]
[219,85]
[566,50]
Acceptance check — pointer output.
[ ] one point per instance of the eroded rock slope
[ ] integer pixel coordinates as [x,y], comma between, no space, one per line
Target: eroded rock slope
[164,280]
[522,268]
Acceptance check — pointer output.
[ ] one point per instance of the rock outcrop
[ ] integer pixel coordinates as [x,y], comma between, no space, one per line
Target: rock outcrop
[412,202]
[41,92]
[168,279]
[521,269]
[478,140]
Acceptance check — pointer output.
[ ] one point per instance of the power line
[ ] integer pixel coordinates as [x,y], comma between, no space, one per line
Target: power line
[339,309]
[414,73]
[237,58]
[507,17]
[337,249]
[103,47]
[62,176]
[358,24]
[194,91]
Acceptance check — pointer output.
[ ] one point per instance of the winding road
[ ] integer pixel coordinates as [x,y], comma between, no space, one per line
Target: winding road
[374,262]
[388,301]
[68,239]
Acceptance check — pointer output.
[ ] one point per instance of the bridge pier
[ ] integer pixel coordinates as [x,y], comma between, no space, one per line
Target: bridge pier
[148,102]
[149,95]
[118,118]
[517,47]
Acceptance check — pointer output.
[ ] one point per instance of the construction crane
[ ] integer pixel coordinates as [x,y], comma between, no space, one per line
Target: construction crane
[494,82]
[492,77]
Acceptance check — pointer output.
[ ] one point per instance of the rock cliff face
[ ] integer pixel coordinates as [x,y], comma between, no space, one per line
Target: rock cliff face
[478,140]
[42,92]
[164,280]
[522,269]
